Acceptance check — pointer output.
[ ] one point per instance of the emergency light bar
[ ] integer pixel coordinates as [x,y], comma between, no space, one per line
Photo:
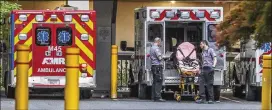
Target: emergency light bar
[39,18]
[185,14]
[214,14]
[84,18]
[200,14]
[22,17]
[67,18]
[53,18]
[170,14]
[155,14]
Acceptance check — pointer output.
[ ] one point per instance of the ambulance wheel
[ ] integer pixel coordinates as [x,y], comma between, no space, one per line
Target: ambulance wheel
[6,82]
[85,94]
[237,91]
[250,93]
[133,90]
[250,90]
[10,92]
[142,88]
[142,91]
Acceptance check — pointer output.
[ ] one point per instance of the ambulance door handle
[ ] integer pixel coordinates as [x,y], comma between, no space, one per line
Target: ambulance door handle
[59,53]
[47,53]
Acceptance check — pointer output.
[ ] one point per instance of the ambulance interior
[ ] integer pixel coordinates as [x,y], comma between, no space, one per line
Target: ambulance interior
[177,33]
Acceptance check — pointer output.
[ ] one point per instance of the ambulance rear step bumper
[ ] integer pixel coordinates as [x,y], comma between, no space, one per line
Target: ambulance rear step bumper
[49,91]
[47,95]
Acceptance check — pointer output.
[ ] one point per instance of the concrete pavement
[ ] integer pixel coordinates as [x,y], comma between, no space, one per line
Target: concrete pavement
[48,103]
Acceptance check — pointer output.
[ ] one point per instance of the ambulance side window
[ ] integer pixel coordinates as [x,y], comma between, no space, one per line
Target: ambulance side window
[211,32]
[64,36]
[43,36]
[154,30]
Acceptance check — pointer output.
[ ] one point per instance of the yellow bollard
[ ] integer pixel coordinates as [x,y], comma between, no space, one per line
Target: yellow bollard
[266,82]
[71,86]
[21,89]
[114,59]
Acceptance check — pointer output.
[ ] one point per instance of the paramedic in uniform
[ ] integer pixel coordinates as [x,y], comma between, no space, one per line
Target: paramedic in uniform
[207,72]
[156,69]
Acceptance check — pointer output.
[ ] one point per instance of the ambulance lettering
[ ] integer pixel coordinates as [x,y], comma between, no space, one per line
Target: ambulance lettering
[52,48]
[52,70]
[55,61]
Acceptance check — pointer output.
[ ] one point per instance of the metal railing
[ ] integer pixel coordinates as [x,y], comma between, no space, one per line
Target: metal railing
[124,68]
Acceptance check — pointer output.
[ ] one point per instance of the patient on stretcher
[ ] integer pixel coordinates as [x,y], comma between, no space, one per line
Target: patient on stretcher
[187,59]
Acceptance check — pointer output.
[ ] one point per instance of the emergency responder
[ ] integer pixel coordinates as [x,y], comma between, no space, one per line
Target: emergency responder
[157,68]
[207,72]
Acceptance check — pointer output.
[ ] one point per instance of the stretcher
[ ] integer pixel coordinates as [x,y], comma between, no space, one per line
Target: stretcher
[188,68]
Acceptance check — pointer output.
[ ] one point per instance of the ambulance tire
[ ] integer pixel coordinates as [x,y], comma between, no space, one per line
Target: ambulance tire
[10,92]
[133,90]
[250,92]
[6,82]
[142,88]
[85,94]
[237,91]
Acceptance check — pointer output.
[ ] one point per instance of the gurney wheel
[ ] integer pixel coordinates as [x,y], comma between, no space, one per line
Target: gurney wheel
[196,97]
[177,97]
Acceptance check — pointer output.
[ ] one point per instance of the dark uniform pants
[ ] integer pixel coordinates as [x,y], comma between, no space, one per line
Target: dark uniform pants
[157,81]
[206,77]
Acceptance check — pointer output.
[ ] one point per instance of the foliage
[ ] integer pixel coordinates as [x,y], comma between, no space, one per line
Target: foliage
[263,27]
[245,19]
[6,8]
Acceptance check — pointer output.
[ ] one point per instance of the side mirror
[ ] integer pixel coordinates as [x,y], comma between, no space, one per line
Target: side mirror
[123,45]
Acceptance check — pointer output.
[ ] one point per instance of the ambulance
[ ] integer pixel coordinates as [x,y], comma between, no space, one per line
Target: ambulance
[49,33]
[248,69]
[174,25]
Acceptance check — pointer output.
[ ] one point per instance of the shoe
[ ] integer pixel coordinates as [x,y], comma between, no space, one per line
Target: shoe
[210,102]
[217,101]
[199,101]
[159,100]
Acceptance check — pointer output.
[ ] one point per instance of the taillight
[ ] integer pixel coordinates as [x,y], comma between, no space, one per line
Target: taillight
[261,61]
[83,69]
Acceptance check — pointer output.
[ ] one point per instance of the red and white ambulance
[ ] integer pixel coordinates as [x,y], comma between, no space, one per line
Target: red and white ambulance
[48,33]
[174,25]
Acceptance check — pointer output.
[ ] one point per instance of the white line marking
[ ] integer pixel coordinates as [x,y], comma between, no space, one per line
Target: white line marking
[230,99]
